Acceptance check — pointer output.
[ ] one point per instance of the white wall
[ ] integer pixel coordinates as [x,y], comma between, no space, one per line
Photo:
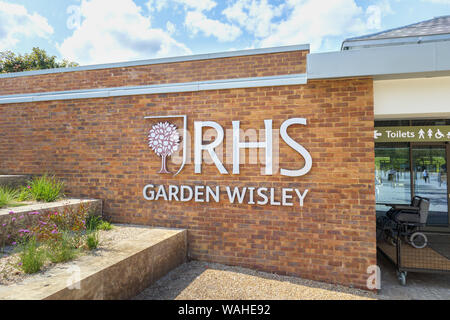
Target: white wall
[412,98]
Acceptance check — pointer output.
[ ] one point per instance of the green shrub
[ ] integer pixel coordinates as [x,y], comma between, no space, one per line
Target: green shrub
[24,194]
[46,188]
[63,249]
[8,196]
[94,223]
[92,240]
[31,257]
[105,225]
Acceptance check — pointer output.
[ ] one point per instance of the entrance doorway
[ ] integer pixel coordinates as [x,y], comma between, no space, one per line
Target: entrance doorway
[407,169]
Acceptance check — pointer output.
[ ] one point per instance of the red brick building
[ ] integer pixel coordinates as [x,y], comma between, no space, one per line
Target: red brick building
[90,126]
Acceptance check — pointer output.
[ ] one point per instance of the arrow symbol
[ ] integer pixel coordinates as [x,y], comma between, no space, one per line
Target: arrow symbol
[377,134]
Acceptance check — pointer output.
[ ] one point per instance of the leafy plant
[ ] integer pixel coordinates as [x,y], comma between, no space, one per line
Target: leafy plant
[93,222]
[37,59]
[92,240]
[105,225]
[8,196]
[53,224]
[24,194]
[32,256]
[45,188]
[15,228]
[72,219]
[63,249]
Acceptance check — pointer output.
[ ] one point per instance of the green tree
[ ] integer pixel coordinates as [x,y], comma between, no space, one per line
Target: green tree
[36,60]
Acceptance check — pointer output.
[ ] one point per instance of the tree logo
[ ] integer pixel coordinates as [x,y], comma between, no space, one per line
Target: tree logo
[164,140]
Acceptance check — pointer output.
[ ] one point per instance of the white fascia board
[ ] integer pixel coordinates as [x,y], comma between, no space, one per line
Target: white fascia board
[380,61]
[208,56]
[154,90]
[15,99]
[292,79]
[254,82]
[63,96]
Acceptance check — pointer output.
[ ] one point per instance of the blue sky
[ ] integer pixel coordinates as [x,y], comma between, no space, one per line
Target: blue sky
[100,31]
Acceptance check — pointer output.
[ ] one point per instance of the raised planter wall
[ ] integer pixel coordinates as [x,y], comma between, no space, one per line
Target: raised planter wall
[93,206]
[14,181]
[122,272]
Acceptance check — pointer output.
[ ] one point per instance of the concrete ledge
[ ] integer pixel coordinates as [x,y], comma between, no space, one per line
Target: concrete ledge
[94,204]
[254,82]
[14,181]
[120,272]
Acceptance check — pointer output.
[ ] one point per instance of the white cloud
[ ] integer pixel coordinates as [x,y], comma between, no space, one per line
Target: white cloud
[157,5]
[254,15]
[438,1]
[197,22]
[375,12]
[311,21]
[16,22]
[119,32]
[197,5]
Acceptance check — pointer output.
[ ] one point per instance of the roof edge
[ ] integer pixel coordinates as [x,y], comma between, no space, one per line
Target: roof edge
[427,58]
[393,41]
[207,56]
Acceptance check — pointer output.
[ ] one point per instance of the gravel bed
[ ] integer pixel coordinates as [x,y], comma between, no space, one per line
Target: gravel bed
[211,281]
[10,273]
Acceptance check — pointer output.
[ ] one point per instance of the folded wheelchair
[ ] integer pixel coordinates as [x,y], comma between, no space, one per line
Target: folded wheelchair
[406,222]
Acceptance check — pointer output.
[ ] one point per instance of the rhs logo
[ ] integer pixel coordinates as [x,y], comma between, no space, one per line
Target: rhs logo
[164,140]
[209,137]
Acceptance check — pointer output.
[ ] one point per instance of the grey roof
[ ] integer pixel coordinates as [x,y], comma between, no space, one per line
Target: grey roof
[435,26]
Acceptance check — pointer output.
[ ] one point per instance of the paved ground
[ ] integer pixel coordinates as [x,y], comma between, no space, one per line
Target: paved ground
[419,286]
[210,281]
[200,280]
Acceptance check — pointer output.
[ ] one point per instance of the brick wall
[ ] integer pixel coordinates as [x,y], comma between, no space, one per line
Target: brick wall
[234,67]
[99,146]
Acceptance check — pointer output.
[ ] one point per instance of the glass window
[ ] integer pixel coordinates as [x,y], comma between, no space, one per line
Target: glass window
[392,123]
[430,180]
[392,174]
[442,122]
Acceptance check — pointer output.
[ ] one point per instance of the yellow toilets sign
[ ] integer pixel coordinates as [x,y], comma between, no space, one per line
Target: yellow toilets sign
[412,134]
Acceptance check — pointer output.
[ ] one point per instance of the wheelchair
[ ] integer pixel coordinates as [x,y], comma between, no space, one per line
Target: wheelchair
[406,222]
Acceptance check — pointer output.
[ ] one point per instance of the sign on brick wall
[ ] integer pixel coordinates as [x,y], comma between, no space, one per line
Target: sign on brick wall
[164,140]
[412,134]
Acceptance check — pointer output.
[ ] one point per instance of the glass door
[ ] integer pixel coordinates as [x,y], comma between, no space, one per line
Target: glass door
[392,174]
[429,164]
